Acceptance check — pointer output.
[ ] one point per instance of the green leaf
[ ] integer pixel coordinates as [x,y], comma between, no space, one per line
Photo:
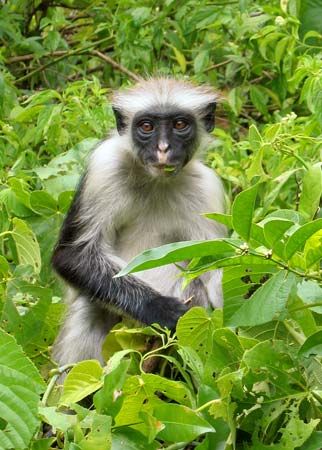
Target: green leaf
[256,168]
[152,424]
[173,390]
[312,345]
[259,100]
[280,49]
[310,14]
[26,244]
[43,203]
[58,420]
[180,59]
[52,40]
[125,438]
[267,302]
[243,210]
[271,359]
[313,249]
[254,137]
[20,387]
[235,100]
[43,444]
[311,192]
[226,349]
[195,330]
[4,266]
[274,232]
[297,239]
[99,436]
[140,14]
[297,432]
[201,61]
[108,400]
[181,423]
[310,292]
[314,442]
[84,379]
[274,229]
[176,252]
[225,219]
[138,396]
[141,394]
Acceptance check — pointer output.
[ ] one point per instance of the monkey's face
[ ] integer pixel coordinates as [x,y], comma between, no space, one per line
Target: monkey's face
[164,141]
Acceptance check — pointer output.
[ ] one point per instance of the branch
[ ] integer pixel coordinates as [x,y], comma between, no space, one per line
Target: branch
[67,54]
[214,66]
[30,56]
[115,65]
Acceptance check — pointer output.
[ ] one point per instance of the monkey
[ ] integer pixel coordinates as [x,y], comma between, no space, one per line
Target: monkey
[144,187]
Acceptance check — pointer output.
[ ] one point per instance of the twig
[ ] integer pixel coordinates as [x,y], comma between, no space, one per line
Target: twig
[30,56]
[75,52]
[214,66]
[115,65]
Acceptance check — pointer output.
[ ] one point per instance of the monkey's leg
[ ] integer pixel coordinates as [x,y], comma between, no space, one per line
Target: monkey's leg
[83,332]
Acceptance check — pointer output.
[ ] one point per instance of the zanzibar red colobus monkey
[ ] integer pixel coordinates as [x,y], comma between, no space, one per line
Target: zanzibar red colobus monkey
[144,187]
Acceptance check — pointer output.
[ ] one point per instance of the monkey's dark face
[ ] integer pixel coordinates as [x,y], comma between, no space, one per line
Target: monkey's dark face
[164,142]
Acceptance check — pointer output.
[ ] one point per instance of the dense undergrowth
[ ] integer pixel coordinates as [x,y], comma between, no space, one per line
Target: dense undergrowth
[248,376]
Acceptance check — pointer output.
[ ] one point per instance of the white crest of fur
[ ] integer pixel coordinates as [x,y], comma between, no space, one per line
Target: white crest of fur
[161,92]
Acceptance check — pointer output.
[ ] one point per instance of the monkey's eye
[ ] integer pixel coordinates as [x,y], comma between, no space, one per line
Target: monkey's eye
[146,127]
[180,124]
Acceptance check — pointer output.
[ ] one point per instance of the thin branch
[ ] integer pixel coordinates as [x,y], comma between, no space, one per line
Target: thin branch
[214,66]
[115,65]
[75,52]
[30,56]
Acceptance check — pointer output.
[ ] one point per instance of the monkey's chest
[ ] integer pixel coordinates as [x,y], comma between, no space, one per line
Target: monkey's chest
[160,218]
[145,231]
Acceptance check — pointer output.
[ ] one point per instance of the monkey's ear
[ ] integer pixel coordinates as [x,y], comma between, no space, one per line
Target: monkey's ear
[120,120]
[208,117]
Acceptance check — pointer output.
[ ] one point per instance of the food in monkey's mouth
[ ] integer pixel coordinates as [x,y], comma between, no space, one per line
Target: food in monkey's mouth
[169,168]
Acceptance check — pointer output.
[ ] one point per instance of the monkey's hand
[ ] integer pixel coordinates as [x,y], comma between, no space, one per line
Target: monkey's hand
[165,311]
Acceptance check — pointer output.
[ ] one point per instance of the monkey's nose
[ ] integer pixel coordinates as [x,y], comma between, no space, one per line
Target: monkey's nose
[162,157]
[163,146]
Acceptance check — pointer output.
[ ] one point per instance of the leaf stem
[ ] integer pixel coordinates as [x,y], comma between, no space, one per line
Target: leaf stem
[279,263]
[206,405]
[298,337]
[317,397]
[49,389]
[306,306]
[56,374]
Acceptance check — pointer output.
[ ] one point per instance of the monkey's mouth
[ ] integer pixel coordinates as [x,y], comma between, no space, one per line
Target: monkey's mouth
[165,169]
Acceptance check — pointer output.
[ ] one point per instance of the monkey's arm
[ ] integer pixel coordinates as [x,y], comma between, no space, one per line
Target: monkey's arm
[89,267]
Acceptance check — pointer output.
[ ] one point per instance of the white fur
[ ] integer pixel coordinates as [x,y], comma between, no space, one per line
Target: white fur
[163,92]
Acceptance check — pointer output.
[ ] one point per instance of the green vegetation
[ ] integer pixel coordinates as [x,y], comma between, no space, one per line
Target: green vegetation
[245,377]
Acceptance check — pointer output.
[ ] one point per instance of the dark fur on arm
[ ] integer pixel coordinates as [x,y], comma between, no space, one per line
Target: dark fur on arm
[88,268]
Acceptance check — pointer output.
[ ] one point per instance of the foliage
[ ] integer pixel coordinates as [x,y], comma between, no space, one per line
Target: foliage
[248,376]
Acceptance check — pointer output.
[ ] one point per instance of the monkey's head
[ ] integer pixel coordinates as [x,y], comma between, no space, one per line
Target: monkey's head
[166,120]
